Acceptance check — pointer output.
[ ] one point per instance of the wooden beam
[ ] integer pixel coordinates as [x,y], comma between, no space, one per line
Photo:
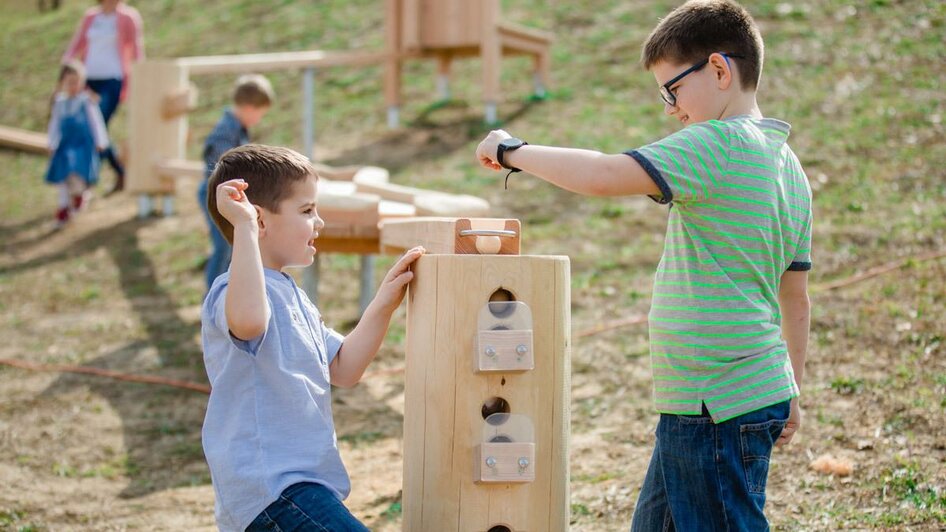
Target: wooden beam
[215,64]
[173,168]
[22,139]
[446,235]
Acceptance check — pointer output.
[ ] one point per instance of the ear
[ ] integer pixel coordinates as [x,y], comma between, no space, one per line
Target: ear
[722,69]
[260,219]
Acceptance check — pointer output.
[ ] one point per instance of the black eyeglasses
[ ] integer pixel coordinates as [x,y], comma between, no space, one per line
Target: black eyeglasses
[669,97]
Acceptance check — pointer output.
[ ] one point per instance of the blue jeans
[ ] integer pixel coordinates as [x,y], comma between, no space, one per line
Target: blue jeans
[306,507]
[708,476]
[219,259]
[109,91]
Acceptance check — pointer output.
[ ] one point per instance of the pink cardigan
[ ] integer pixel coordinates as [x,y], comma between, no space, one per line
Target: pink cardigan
[130,39]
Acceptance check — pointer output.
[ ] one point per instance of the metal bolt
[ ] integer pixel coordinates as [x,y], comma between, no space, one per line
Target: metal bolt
[490,461]
[490,351]
[521,349]
[523,463]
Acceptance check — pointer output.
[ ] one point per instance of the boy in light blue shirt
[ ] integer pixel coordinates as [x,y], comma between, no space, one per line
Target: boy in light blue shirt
[268,433]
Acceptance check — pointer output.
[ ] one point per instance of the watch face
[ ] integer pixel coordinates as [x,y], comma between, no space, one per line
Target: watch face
[511,143]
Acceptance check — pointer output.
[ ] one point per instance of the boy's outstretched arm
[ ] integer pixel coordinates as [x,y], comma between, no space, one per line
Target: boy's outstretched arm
[796,322]
[246,306]
[361,345]
[586,172]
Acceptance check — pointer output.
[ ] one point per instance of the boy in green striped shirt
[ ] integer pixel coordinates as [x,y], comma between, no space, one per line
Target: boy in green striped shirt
[729,319]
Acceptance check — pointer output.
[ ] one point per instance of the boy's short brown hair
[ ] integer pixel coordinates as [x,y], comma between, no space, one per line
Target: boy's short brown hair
[253,90]
[270,171]
[698,28]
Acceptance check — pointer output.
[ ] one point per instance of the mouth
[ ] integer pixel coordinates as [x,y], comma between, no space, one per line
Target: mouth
[312,241]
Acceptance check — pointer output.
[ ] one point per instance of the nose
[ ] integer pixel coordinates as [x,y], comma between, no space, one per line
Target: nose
[319,223]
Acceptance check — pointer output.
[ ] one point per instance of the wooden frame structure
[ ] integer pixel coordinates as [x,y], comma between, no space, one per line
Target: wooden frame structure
[448,29]
[455,480]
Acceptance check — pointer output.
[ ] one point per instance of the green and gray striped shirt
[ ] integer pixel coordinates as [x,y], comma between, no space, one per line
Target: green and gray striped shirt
[740,217]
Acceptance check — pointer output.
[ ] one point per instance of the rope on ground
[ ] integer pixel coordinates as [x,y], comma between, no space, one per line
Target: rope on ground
[607,326]
[99,372]
[879,270]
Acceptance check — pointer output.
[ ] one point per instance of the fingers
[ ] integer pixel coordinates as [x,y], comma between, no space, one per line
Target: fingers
[234,189]
[787,434]
[402,265]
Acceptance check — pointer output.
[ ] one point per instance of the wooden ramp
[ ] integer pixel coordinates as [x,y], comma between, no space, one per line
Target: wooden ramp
[21,139]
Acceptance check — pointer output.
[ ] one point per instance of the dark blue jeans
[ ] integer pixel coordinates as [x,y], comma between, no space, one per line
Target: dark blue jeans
[306,507]
[109,91]
[707,476]
[219,259]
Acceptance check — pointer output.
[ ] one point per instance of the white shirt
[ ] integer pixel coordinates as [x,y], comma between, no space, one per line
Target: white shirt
[102,60]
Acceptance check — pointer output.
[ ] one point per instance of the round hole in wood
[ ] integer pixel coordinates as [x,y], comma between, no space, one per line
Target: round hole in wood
[495,405]
[497,298]
[500,528]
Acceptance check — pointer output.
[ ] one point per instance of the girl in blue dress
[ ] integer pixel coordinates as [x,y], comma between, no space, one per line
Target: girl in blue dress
[76,134]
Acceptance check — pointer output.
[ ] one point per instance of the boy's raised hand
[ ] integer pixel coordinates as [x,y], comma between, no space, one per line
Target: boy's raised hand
[233,203]
[391,291]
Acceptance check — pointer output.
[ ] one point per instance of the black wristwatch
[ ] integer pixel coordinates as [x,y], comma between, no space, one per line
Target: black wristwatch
[510,144]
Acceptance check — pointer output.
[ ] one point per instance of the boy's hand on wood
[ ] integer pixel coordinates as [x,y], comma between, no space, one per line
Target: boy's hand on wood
[392,288]
[233,203]
[486,151]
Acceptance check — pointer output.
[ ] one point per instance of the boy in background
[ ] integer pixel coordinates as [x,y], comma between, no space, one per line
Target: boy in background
[252,97]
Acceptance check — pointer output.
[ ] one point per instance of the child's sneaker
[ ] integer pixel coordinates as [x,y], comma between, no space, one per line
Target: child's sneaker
[62,217]
[80,200]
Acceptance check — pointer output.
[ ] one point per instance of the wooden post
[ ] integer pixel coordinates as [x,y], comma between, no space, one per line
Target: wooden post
[154,139]
[492,53]
[445,396]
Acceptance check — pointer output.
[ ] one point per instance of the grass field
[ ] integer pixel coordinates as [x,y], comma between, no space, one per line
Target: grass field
[862,84]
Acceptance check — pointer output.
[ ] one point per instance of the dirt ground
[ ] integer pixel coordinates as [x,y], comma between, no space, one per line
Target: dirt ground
[88,453]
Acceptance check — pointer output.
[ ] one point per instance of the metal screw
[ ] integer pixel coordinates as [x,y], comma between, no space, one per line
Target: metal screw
[490,351]
[523,463]
[490,461]
[521,349]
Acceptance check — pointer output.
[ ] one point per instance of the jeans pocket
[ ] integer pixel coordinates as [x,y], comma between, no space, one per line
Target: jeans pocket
[757,441]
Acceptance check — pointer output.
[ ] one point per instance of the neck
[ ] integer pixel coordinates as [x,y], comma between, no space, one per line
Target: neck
[743,103]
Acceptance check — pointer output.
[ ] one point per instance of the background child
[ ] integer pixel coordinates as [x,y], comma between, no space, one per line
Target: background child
[252,97]
[76,135]
[268,434]
[730,313]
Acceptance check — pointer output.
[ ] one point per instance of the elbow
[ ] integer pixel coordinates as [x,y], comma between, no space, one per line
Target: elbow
[247,327]
[345,381]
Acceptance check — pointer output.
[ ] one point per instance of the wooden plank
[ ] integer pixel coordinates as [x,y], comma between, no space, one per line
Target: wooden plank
[561,356]
[216,64]
[442,235]
[175,168]
[525,33]
[22,139]
[421,312]
[180,102]
[427,202]
[152,138]
[347,244]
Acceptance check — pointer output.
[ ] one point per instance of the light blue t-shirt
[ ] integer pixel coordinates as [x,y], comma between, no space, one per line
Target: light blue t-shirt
[269,418]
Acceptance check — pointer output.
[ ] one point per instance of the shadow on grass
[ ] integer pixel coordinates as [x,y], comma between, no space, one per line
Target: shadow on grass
[439,130]
[162,425]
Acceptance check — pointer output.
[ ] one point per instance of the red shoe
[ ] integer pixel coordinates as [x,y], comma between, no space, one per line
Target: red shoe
[62,217]
[80,200]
